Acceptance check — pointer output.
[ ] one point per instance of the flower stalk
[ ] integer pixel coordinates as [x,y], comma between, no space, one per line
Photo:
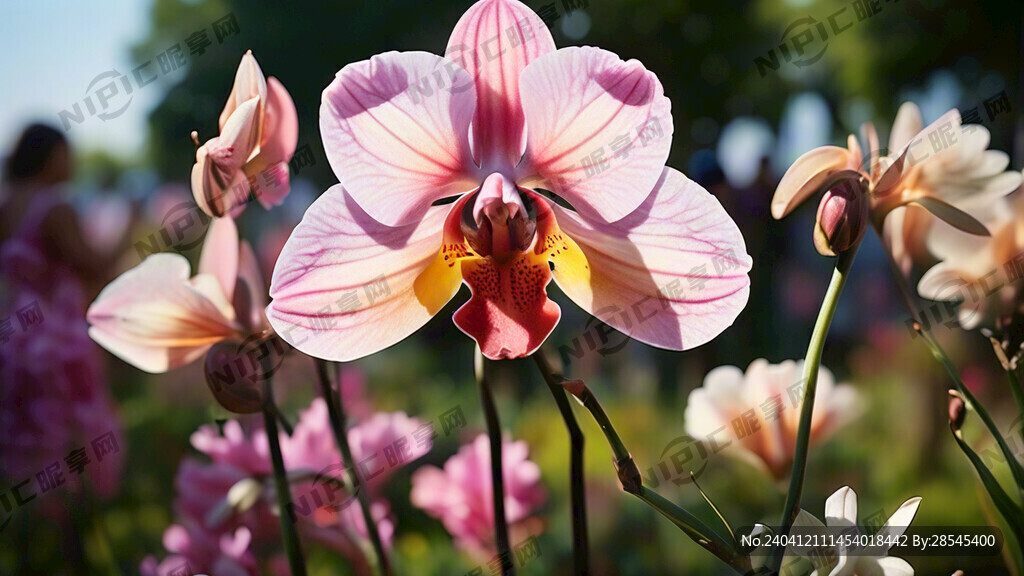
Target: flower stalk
[497,476]
[353,483]
[632,482]
[812,361]
[577,494]
[292,547]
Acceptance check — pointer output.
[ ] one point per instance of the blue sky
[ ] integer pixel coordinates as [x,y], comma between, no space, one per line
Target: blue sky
[53,50]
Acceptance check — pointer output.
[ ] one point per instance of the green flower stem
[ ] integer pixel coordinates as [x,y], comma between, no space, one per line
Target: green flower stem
[940,355]
[292,547]
[1007,507]
[353,483]
[1018,395]
[632,482]
[577,495]
[812,361]
[497,476]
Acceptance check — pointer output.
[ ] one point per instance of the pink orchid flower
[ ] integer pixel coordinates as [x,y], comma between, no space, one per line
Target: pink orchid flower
[462,497]
[157,318]
[506,115]
[259,130]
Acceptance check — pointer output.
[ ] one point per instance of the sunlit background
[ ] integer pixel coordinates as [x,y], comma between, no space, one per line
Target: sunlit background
[738,126]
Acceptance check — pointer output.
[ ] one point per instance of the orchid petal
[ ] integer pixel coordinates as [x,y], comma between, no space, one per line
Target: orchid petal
[841,508]
[897,524]
[271,185]
[220,254]
[249,84]
[156,319]
[255,292]
[907,124]
[952,215]
[806,176]
[396,133]
[598,130]
[494,41]
[937,137]
[280,125]
[885,566]
[219,185]
[673,274]
[346,286]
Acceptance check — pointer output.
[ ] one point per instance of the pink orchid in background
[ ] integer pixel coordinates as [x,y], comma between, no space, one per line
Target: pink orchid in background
[157,318]
[462,497]
[225,506]
[259,130]
[757,413]
[503,118]
[195,549]
[944,169]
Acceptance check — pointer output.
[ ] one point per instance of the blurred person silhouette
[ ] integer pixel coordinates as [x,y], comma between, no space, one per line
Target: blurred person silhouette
[36,218]
[58,427]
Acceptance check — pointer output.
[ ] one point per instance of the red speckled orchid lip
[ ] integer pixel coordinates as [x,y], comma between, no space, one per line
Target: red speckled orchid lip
[644,249]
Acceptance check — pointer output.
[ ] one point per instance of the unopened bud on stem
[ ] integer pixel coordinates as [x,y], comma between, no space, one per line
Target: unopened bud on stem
[842,218]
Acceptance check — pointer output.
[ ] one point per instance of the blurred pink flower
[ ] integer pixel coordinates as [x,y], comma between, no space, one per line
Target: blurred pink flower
[53,396]
[195,550]
[461,494]
[503,116]
[756,414]
[157,318]
[234,491]
[259,130]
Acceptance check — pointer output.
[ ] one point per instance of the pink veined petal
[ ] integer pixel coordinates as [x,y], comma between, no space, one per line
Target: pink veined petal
[345,286]
[155,318]
[494,41]
[806,176]
[396,132]
[249,83]
[280,125]
[673,274]
[220,254]
[598,130]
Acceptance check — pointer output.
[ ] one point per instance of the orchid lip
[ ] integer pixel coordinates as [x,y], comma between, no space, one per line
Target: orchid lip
[499,230]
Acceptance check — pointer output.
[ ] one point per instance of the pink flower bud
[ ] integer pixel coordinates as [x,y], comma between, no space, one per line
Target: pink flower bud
[957,410]
[842,218]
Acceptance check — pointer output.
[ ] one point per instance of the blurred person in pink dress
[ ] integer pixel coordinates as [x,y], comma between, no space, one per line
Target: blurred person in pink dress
[58,427]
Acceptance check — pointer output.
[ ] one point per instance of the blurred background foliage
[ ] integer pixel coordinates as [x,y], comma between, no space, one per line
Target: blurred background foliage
[736,130]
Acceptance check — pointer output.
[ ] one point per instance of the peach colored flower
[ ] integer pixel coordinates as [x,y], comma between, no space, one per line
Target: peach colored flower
[259,130]
[944,168]
[157,318]
[755,415]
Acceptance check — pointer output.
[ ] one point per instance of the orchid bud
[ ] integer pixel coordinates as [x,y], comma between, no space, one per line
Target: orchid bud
[842,218]
[957,410]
